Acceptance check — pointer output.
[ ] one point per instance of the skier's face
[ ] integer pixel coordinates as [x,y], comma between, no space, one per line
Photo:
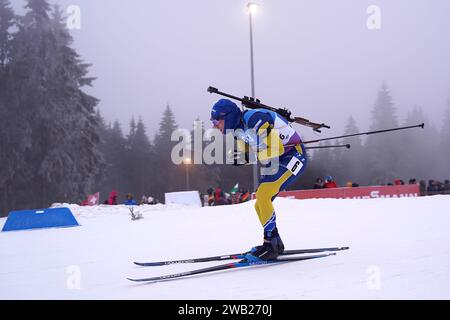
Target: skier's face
[219,124]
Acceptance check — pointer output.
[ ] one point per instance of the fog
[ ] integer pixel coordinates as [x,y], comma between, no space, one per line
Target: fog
[318,58]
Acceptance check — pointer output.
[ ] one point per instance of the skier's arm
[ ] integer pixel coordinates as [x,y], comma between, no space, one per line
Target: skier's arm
[269,144]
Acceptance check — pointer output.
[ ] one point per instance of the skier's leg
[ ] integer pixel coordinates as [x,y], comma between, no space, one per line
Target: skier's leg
[271,185]
[267,191]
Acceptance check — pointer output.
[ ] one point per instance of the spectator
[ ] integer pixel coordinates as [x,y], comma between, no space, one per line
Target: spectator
[130,201]
[329,183]
[219,196]
[228,198]
[151,201]
[210,200]
[447,185]
[245,196]
[210,192]
[398,182]
[412,181]
[439,185]
[205,200]
[144,200]
[352,185]
[431,186]
[235,197]
[318,184]
[112,200]
[423,187]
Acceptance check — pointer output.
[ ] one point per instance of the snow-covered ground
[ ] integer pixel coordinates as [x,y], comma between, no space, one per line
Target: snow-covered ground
[399,249]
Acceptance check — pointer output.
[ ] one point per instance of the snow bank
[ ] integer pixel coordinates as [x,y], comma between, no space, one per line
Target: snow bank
[399,249]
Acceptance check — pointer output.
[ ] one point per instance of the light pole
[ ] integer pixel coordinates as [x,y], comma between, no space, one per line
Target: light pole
[252,8]
[187,161]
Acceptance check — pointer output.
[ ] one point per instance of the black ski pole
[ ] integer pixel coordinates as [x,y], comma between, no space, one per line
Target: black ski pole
[326,147]
[366,133]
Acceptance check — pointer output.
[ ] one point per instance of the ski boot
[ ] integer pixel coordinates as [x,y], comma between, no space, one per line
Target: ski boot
[271,248]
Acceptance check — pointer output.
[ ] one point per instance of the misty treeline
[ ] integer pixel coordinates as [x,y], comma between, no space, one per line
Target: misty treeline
[379,159]
[56,147]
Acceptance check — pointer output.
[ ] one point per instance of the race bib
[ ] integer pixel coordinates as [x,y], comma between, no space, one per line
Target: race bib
[294,166]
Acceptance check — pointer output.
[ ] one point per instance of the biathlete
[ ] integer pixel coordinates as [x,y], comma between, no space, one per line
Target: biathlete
[271,137]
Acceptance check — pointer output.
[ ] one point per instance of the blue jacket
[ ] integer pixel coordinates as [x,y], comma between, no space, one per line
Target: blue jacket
[130,202]
[259,120]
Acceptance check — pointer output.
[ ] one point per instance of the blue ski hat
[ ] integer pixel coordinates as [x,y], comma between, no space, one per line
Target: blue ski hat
[228,110]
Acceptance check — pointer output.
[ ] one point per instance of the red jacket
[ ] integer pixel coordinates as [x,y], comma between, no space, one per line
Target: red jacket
[217,194]
[330,184]
[112,198]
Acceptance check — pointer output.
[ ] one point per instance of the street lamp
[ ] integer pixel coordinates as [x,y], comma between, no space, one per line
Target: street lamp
[187,161]
[252,8]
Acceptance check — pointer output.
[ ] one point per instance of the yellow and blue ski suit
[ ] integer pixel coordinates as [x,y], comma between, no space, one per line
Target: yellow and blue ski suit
[271,136]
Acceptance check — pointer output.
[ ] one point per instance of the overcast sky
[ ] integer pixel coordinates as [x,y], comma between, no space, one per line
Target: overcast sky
[316,57]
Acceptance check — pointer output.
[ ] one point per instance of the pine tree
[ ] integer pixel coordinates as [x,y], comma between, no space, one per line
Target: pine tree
[139,160]
[48,77]
[383,113]
[39,11]
[382,153]
[31,46]
[170,177]
[444,146]
[75,112]
[6,22]
[417,148]
[113,148]
[10,146]
[167,126]
[145,157]
[15,132]
[322,159]
[132,133]
[353,166]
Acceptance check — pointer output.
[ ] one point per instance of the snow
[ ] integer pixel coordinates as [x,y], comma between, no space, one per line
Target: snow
[399,249]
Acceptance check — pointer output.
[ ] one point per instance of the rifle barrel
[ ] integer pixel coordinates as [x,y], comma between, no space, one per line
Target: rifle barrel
[216,91]
[253,103]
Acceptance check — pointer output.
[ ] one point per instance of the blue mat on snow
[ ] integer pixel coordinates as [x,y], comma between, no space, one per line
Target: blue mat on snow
[39,219]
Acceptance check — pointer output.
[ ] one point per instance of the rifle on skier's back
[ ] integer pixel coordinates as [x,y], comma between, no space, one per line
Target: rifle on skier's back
[253,103]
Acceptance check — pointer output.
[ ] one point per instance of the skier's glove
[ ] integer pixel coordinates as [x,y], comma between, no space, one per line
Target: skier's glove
[238,158]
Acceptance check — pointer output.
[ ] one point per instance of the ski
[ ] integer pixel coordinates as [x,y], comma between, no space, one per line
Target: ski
[234,256]
[233,265]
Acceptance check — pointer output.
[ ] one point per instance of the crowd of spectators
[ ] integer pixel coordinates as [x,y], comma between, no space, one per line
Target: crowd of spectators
[217,197]
[328,182]
[430,188]
[435,187]
[129,199]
